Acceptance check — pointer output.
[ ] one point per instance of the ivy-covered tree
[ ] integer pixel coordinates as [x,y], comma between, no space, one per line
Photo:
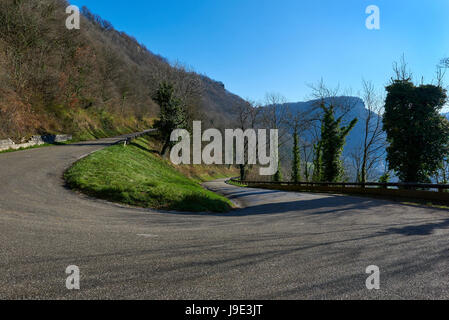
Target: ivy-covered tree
[442,175]
[278,177]
[417,134]
[317,163]
[333,139]
[171,116]
[296,165]
[385,178]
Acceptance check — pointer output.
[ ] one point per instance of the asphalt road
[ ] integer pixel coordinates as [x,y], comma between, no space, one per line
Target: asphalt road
[279,245]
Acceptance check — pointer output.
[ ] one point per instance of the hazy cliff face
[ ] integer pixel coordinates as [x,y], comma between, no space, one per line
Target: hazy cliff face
[351,107]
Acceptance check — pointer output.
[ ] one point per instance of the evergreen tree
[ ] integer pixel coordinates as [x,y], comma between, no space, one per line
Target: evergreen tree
[296,165]
[278,175]
[385,178]
[172,116]
[333,139]
[317,163]
[417,134]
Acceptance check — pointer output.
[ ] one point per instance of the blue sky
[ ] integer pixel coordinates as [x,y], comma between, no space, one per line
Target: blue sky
[259,46]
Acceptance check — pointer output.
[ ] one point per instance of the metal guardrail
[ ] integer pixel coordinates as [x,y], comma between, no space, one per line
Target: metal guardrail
[398,185]
[128,138]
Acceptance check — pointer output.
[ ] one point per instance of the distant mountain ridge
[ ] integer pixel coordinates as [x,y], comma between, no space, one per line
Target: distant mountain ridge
[357,110]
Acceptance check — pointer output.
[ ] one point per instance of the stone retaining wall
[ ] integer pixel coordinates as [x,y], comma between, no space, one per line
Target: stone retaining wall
[34,141]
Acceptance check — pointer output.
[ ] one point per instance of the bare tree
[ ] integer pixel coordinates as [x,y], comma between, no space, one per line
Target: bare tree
[307,152]
[372,149]
[247,115]
[343,102]
[440,73]
[442,175]
[254,113]
[356,158]
[401,70]
[303,124]
[275,116]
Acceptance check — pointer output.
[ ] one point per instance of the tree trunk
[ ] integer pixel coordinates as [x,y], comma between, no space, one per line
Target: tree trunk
[242,172]
[165,147]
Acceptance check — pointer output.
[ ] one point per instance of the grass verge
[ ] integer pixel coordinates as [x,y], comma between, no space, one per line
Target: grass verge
[136,175]
[236,183]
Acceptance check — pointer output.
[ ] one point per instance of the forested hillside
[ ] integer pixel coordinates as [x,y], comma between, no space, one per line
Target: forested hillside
[91,82]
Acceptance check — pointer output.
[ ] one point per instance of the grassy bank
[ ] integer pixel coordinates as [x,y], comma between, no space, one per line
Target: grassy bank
[137,175]
[236,183]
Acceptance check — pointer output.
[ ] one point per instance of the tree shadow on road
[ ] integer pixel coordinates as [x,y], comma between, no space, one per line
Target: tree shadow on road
[236,195]
[316,206]
[418,230]
[334,205]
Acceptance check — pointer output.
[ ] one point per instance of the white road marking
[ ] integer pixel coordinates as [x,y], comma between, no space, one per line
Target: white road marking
[147,235]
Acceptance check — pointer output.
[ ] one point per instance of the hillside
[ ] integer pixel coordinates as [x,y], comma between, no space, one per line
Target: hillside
[91,82]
